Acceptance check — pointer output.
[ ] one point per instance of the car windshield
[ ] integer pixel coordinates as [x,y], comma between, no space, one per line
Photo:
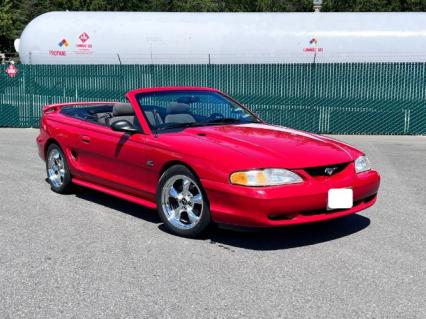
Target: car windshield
[179,109]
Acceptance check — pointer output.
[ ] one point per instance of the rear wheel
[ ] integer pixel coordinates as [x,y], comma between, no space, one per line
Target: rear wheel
[182,203]
[58,174]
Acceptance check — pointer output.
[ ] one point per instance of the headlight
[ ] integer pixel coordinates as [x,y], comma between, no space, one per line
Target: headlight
[265,177]
[362,164]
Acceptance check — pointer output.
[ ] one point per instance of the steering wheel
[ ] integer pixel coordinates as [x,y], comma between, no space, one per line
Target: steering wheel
[215,116]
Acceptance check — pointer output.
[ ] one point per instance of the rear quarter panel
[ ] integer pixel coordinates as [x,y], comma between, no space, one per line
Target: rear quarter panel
[63,130]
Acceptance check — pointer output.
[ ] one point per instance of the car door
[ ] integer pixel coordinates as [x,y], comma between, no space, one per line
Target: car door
[112,159]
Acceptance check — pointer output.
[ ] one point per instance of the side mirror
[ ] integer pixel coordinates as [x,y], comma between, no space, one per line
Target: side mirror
[124,126]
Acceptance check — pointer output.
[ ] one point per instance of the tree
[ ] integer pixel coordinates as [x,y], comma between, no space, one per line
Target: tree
[9,25]
[15,14]
[374,5]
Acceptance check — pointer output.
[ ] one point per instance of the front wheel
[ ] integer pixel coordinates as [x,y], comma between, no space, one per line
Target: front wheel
[182,202]
[58,173]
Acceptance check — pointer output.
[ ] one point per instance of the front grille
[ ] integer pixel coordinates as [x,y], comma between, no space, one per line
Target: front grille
[328,170]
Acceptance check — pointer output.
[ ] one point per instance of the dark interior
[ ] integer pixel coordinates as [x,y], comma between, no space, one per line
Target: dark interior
[106,114]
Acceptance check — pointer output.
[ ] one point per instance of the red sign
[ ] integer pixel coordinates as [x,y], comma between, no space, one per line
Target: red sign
[84,37]
[12,70]
[85,47]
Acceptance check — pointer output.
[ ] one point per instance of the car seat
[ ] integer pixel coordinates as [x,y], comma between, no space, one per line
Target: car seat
[178,113]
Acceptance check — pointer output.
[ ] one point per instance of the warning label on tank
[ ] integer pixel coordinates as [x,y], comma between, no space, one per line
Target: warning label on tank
[84,45]
[62,44]
[57,52]
[84,37]
[313,46]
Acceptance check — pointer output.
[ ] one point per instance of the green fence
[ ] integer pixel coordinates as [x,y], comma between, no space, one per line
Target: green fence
[355,98]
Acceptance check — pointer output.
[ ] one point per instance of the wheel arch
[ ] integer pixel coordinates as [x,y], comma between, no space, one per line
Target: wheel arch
[49,142]
[169,164]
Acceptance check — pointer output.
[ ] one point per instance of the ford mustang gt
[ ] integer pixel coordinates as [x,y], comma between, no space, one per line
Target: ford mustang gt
[199,157]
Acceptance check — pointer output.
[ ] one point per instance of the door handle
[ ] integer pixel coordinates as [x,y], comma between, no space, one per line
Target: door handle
[85,139]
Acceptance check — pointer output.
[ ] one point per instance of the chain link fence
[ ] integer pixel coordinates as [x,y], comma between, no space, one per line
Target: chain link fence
[340,98]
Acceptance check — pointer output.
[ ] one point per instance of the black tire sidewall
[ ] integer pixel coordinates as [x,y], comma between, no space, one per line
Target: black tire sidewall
[205,219]
[66,185]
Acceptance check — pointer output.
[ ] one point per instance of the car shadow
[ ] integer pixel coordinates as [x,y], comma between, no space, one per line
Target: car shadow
[118,204]
[254,239]
[290,237]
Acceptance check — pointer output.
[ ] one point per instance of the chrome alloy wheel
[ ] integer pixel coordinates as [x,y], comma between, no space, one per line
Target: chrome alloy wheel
[55,168]
[182,202]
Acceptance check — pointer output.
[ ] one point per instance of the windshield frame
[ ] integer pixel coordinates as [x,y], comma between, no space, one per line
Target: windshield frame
[156,130]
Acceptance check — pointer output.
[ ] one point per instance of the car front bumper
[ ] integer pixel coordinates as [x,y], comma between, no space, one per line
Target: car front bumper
[288,204]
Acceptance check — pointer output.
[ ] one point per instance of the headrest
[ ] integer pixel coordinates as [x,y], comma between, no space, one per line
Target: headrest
[122,109]
[177,108]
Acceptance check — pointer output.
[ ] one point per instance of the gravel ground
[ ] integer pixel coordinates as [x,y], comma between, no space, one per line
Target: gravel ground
[87,255]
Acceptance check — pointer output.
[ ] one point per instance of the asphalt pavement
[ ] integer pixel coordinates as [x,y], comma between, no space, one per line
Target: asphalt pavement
[88,255]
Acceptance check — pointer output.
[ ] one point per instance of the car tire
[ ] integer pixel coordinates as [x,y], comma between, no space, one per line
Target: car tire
[58,174]
[182,202]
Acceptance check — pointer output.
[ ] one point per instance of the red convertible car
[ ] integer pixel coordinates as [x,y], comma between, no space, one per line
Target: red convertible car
[199,156]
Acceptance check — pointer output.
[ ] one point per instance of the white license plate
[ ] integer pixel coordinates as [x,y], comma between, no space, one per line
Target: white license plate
[340,198]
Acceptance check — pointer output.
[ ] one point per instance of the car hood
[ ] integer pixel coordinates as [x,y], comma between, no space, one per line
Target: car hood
[261,145]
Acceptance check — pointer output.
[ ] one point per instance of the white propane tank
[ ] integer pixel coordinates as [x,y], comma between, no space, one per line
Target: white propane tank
[222,38]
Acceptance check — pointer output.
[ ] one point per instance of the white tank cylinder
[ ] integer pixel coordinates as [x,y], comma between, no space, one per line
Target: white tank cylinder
[222,38]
